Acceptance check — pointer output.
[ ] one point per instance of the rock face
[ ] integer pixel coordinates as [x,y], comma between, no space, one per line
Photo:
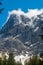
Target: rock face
[22,34]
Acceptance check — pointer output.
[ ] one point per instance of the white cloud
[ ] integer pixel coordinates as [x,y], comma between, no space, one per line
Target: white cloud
[29,14]
[34,12]
[19,12]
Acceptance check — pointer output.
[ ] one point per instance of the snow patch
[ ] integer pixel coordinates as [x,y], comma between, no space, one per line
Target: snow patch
[36,29]
[22,58]
[30,13]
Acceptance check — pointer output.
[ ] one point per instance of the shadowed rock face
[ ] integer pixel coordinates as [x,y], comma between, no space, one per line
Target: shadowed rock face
[21,37]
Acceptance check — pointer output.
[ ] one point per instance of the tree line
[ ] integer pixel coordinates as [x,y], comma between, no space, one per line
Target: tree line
[11,61]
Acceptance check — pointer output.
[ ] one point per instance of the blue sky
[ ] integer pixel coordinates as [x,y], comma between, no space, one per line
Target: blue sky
[10,5]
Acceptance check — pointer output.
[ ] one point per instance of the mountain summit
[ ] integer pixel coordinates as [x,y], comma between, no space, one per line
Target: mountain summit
[23,32]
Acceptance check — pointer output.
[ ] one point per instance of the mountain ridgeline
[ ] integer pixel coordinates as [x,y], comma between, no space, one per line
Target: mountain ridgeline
[22,34]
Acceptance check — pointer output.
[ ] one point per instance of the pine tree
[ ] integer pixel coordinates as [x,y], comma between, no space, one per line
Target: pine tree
[1,9]
[0,61]
[11,60]
[34,61]
[4,61]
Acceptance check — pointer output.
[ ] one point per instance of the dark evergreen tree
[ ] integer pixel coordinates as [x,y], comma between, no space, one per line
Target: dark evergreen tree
[0,3]
[4,61]
[0,61]
[11,60]
[1,9]
[34,61]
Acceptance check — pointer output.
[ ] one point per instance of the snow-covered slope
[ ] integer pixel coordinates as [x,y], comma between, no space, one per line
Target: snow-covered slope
[21,32]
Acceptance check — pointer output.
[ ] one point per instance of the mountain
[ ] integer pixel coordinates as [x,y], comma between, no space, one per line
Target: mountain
[23,32]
